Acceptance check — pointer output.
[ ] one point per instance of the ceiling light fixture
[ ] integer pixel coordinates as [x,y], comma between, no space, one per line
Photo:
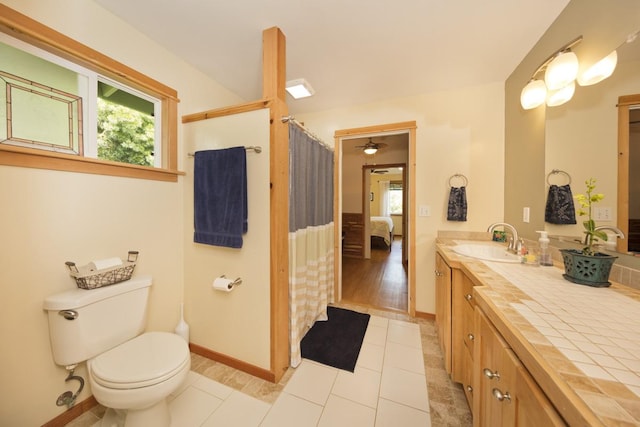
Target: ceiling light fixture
[299,88]
[370,148]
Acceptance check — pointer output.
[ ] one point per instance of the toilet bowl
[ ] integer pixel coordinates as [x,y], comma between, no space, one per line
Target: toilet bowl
[131,372]
[137,376]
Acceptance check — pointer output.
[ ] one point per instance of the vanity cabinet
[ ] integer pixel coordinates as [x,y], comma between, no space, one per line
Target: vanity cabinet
[462,332]
[505,393]
[454,319]
[443,308]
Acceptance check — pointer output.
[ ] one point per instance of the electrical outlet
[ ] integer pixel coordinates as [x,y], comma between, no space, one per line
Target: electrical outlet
[525,214]
[603,214]
[424,210]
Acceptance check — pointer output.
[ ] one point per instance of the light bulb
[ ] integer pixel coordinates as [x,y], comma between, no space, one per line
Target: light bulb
[562,95]
[533,94]
[600,70]
[561,71]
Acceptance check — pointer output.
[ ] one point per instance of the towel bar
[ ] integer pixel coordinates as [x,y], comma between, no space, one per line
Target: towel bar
[256,148]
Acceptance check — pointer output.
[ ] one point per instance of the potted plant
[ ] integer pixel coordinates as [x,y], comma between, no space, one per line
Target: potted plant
[588,266]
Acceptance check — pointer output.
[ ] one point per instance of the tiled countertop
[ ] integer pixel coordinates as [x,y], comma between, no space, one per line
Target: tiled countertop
[581,344]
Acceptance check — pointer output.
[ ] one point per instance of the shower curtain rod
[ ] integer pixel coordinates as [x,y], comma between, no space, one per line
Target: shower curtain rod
[292,119]
[255,148]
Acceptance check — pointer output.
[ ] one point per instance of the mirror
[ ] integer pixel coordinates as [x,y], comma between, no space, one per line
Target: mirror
[581,139]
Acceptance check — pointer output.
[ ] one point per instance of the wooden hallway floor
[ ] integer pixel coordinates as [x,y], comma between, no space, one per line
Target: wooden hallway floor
[379,282]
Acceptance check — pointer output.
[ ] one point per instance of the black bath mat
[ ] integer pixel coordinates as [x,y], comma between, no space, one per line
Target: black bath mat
[337,341]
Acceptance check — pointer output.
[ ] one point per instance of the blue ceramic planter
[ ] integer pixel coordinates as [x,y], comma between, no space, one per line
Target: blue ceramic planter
[590,270]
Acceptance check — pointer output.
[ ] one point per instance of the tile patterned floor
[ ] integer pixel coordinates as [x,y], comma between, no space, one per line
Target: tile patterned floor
[399,380]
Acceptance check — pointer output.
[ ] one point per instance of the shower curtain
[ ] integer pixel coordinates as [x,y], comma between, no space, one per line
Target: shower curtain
[311,238]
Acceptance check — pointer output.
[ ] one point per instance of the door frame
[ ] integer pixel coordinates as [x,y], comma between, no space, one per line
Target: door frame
[625,103]
[376,130]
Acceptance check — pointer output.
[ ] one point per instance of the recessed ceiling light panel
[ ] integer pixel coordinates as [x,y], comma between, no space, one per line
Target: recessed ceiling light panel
[299,88]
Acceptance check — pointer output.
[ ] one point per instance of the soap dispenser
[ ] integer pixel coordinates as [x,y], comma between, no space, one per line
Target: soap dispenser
[544,257]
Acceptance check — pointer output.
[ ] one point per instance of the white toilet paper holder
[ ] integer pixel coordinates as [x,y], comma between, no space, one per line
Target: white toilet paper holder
[236,282]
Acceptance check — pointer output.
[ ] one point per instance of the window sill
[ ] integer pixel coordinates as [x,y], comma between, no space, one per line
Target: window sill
[39,159]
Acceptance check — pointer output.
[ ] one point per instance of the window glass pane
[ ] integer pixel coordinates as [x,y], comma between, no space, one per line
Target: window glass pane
[126,126]
[395,201]
[40,102]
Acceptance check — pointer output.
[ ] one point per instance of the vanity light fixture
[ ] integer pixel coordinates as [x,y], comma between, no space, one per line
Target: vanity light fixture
[560,74]
[299,88]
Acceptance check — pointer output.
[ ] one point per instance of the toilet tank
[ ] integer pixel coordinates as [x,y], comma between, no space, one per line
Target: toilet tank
[84,323]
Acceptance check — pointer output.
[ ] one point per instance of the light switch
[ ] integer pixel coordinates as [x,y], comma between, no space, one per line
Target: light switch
[424,210]
[525,214]
[602,214]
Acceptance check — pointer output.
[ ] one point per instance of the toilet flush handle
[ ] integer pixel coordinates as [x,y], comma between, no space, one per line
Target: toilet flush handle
[69,314]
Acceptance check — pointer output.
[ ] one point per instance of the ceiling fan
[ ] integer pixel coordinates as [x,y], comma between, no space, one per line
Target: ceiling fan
[371,147]
[379,171]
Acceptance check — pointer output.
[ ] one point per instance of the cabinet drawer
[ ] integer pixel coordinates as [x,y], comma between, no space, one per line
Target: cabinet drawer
[467,291]
[467,329]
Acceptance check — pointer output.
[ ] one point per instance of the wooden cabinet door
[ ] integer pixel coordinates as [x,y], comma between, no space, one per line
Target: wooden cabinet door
[495,376]
[462,324]
[532,408]
[505,394]
[443,308]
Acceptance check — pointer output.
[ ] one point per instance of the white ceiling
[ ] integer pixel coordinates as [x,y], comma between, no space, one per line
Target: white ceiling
[350,51]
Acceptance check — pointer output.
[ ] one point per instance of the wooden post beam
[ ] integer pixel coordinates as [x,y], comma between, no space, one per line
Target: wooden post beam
[273,77]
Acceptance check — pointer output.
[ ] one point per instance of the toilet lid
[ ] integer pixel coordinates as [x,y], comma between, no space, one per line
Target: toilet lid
[145,360]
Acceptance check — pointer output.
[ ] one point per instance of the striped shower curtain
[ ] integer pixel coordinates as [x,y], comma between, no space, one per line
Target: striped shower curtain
[311,237]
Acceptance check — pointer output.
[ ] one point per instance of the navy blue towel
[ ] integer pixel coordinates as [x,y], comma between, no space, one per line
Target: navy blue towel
[457,207]
[220,197]
[560,209]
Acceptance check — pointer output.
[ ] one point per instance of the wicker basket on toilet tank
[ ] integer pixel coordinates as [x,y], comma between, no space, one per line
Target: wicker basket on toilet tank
[88,277]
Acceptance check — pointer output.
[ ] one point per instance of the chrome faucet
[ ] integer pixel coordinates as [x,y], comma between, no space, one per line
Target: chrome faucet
[514,243]
[613,228]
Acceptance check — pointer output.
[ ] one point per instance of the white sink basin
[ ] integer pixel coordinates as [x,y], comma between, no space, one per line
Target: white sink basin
[486,252]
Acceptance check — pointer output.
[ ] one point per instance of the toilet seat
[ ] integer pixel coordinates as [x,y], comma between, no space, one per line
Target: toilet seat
[143,361]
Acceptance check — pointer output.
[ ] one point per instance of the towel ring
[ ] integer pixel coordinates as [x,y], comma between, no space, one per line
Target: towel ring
[459,175]
[557,171]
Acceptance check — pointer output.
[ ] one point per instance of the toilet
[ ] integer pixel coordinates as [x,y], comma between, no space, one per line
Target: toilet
[130,372]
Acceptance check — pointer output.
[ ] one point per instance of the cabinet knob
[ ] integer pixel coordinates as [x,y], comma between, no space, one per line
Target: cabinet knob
[471,337]
[500,396]
[468,297]
[438,274]
[490,374]
[470,389]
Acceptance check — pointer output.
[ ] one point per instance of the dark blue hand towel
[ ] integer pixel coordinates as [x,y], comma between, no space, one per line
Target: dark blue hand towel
[457,207]
[220,197]
[560,209]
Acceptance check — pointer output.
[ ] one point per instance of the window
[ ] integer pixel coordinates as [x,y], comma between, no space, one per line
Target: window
[79,110]
[395,197]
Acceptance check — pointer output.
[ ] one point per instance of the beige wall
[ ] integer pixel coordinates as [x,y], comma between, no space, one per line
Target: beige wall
[458,131]
[236,323]
[49,217]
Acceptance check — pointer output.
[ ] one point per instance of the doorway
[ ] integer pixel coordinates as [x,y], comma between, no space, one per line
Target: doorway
[384,278]
[628,175]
